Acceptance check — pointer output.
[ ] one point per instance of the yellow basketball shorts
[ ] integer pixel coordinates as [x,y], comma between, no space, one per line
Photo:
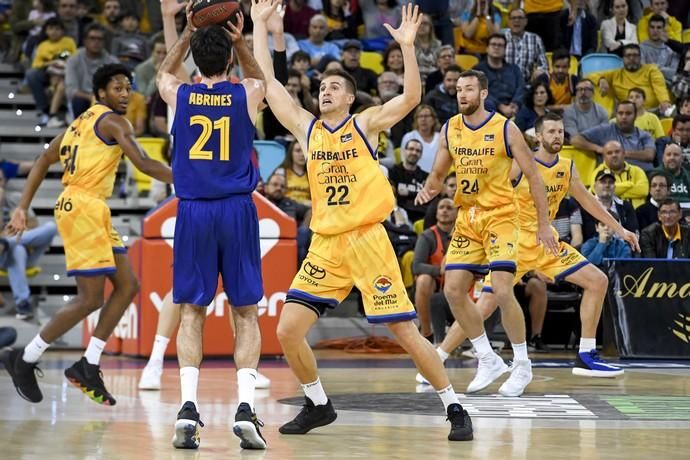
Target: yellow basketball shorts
[362,257]
[533,256]
[484,239]
[83,221]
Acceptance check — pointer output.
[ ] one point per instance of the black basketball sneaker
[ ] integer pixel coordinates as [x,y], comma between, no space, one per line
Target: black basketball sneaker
[246,428]
[89,379]
[460,424]
[310,417]
[187,427]
[23,374]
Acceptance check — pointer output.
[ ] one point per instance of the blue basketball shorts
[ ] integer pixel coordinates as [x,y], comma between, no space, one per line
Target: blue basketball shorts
[215,237]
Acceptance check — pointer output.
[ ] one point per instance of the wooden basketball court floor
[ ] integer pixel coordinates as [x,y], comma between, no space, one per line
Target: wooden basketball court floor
[382,414]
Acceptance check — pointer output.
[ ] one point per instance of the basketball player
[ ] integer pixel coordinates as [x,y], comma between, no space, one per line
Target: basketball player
[217,230]
[350,199]
[482,145]
[90,150]
[560,178]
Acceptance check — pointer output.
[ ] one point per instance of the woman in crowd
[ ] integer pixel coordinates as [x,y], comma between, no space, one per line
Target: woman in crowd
[617,31]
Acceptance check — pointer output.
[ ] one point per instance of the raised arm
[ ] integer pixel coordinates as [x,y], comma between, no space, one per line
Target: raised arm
[119,129]
[286,110]
[250,68]
[51,155]
[525,160]
[382,117]
[169,9]
[590,204]
[442,163]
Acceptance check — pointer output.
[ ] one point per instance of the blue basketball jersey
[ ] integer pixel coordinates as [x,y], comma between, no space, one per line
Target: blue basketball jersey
[212,142]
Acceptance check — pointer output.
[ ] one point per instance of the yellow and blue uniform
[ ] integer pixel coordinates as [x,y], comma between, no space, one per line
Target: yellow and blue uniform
[532,255]
[81,213]
[349,247]
[217,229]
[486,234]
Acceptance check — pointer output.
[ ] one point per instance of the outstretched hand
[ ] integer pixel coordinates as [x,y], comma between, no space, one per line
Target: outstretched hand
[235,31]
[188,12]
[406,33]
[263,9]
[172,7]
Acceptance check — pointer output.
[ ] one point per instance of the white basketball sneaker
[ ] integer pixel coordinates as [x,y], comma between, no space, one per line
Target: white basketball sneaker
[520,377]
[421,380]
[262,382]
[491,367]
[151,377]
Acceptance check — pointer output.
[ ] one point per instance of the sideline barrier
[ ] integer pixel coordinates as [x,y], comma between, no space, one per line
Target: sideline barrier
[151,258]
[649,301]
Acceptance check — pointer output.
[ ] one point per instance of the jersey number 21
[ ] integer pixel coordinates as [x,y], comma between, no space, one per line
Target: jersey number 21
[197,151]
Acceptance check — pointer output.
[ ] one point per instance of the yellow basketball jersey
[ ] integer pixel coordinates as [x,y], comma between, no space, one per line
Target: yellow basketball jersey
[556,177]
[90,162]
[482,161]
[297,187]
[348,189]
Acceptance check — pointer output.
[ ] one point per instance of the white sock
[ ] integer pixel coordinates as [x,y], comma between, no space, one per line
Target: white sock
[520,351]
[481,345]
[160,344]
[314,391]
[189,378]
[246,382]
[448,396]
[442,354]
[586,345]
[34,350]
[94,350]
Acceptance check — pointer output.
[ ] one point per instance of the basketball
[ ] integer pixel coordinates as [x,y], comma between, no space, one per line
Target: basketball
[208,12]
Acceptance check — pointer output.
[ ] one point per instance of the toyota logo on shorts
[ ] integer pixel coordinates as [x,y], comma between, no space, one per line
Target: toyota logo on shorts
[460,242]
[314,271]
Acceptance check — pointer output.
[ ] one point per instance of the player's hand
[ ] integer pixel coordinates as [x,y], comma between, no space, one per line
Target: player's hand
[425,195]
[406,33]
[632,240]
[263,9]
[17,223]
[274,23]
[235,31]
[545,237]
[189,14]
[172,7]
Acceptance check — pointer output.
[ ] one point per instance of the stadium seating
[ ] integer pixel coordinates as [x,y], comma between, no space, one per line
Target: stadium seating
[155,148]
[599,62]
[271,155]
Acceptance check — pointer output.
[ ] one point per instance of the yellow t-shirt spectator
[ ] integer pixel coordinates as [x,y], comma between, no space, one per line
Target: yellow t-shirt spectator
[674,28]
[649,78]
[650,123]
[46,51]
[543,6]
[631,183]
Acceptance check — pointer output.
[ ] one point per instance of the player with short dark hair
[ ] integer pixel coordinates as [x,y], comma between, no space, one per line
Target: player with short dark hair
[217,229]
[90,151]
